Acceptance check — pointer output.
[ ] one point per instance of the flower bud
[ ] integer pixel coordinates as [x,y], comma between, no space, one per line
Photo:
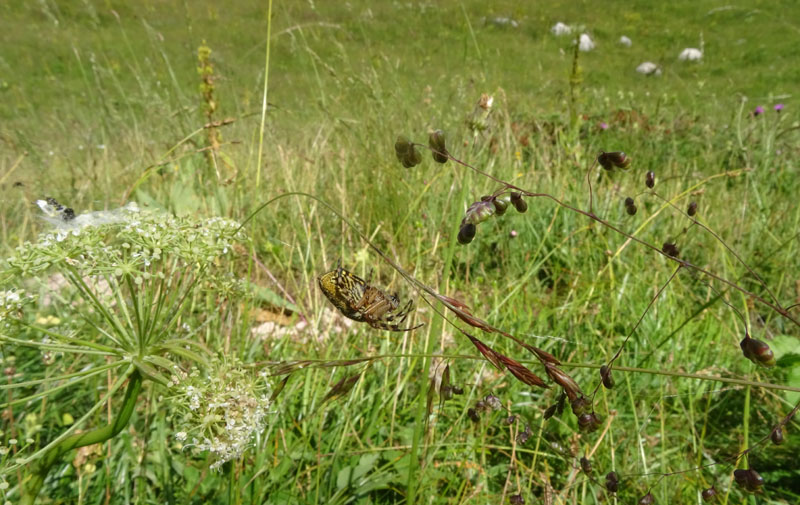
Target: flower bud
[757,351]
[586,465]
[670,249]
[612,482]
[438,149]
[605,375]
[646,499]
[466,233]
[650,179]
[692,210]
[518,203]
[709,493]
[777,436]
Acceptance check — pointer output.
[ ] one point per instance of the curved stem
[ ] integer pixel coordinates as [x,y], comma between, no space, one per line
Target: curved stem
[34,481]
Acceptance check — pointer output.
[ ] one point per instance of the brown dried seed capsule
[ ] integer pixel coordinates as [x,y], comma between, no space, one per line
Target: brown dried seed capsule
[510,419]
[518,203]
[777,436]
[612,482]
[650,179]
[586,465]
[614,159]
[670,249]
[605,161]
[523,436]
[628,201]
[581,405]
[709,493]
[473,415]
[437,145]
[646,499]
[516,499]
[631,210]
[605,375]
[757,351]
[692,210]
[550,411]
[587,423]
[466,233]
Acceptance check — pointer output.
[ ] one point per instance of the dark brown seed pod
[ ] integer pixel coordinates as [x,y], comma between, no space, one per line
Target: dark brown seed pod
[750,480]
[631,210]
[500,206]
[586,465]
[757,351]
[518,203]
[647,499]
[777,436]
[516,499]
[437,145]
[510,419]
[629,201]
[550,411]
[670,249]
[614,159]
[612,482]
[605,375]
[692,210]
[473,415]
[524,435]
[587,423]
[466,233]
[650,179]
[581,405]
[709,493]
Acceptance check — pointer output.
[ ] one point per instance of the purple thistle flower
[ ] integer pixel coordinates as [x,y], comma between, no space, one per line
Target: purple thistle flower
[604,126]
[758,111]
[778,107]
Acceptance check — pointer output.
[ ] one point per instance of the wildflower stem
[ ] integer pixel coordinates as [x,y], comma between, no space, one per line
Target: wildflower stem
[33,483]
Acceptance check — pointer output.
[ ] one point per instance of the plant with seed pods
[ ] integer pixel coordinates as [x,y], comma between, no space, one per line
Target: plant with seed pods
[582,405]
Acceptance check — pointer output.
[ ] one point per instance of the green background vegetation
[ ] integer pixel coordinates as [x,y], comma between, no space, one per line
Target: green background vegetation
[100,102]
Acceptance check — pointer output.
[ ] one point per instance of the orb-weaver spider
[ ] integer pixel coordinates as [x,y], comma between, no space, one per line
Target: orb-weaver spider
[358,300]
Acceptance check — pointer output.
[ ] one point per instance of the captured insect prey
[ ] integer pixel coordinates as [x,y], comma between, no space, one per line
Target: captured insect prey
[360,301]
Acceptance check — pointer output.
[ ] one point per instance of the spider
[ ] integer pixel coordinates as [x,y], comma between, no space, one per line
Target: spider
[359,301]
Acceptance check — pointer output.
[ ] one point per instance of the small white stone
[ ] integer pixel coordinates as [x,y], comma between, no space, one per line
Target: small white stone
[625,41]
[560,29]
[586,44]
[691,54]
[649,68]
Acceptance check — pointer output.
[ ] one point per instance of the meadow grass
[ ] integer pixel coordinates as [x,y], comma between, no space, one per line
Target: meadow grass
[101,104]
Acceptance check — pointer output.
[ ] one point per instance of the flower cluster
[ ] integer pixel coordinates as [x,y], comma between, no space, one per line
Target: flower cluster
[222,412]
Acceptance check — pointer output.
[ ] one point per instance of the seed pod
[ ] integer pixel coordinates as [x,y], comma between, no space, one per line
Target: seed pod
[586,465]
[709,493]
[628,201]
[437,145]
[750,480]
[525,435]
[466,233]
[518,203]
[581,405]
[516,499]
[406,153]
[777,436]
[510,419]
[614,159]
[500,206]
[551,410]
[473,415]
[612,482]
[588,423]
[757,351]
[650,179]
[479,212]
[631,210]
[605,375]
[692,210]
[646,499]
[670,249]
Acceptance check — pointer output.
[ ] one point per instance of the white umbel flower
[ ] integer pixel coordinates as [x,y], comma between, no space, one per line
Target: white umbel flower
[625,41]
[691,54]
